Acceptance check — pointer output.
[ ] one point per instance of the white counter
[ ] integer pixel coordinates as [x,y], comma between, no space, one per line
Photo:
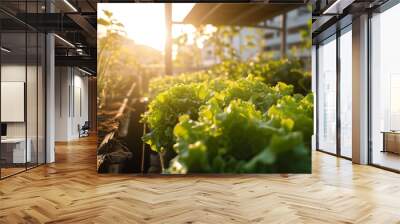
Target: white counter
[18,144]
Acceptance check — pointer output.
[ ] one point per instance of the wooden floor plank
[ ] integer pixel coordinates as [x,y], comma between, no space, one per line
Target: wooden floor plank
[70,191]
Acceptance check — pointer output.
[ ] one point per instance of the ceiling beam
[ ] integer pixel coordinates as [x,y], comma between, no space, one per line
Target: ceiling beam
[245,14]
[82,61]
[84,24]
[213,9]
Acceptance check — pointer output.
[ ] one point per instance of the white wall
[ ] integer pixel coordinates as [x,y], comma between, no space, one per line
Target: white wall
[61,103]
[71,87]
[16,73]
[12,73]
[80,105]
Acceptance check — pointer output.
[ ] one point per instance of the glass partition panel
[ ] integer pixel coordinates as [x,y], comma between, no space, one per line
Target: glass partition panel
[41,89]
[31,97]
[41,98]
[385,89]
[22,64]
[327,95]
[346,92]
[15,151]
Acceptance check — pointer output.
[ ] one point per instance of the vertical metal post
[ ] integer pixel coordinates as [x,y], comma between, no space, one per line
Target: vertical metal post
[316,95]
[283,36]
[0,95]
[37,90]
[168,39]
[360,93]
[26,88]
[50,91]
[369,89]
[338,99]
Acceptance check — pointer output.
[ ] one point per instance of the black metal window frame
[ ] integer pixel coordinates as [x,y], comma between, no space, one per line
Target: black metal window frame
[338,33]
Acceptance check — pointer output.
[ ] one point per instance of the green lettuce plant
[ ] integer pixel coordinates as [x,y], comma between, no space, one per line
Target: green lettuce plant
[238,139]
[233,118]
[165,109]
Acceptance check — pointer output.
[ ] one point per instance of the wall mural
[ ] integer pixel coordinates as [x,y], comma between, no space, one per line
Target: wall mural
[181,91]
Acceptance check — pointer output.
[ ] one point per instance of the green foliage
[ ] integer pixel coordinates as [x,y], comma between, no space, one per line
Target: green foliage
[253,90]
[222,42]
[161,84]
[113,62]
[288,71]
[234,118]
[163,113]
[232,69]
[237,139]
[295,113]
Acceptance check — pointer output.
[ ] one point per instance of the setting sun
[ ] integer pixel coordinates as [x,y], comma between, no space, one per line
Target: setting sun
[145,23]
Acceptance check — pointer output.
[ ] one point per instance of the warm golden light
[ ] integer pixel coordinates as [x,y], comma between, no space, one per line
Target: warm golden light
[145,22]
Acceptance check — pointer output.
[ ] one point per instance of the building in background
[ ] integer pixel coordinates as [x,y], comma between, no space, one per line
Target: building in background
[266,37]
[296,23]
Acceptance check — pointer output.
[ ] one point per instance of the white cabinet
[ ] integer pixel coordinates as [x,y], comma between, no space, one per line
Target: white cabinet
[19,155]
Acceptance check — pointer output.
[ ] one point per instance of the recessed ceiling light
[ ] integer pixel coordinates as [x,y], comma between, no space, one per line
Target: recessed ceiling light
[70,5]
[84,71]
[64,40]
[338,6]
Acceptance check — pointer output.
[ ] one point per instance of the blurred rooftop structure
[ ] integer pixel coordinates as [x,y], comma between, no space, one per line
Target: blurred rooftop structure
[281,20]
[238,14]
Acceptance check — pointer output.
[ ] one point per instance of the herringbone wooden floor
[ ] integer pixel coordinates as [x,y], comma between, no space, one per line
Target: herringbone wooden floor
[70,191]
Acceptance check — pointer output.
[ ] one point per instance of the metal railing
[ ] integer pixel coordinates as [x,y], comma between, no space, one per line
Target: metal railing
[109,139]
